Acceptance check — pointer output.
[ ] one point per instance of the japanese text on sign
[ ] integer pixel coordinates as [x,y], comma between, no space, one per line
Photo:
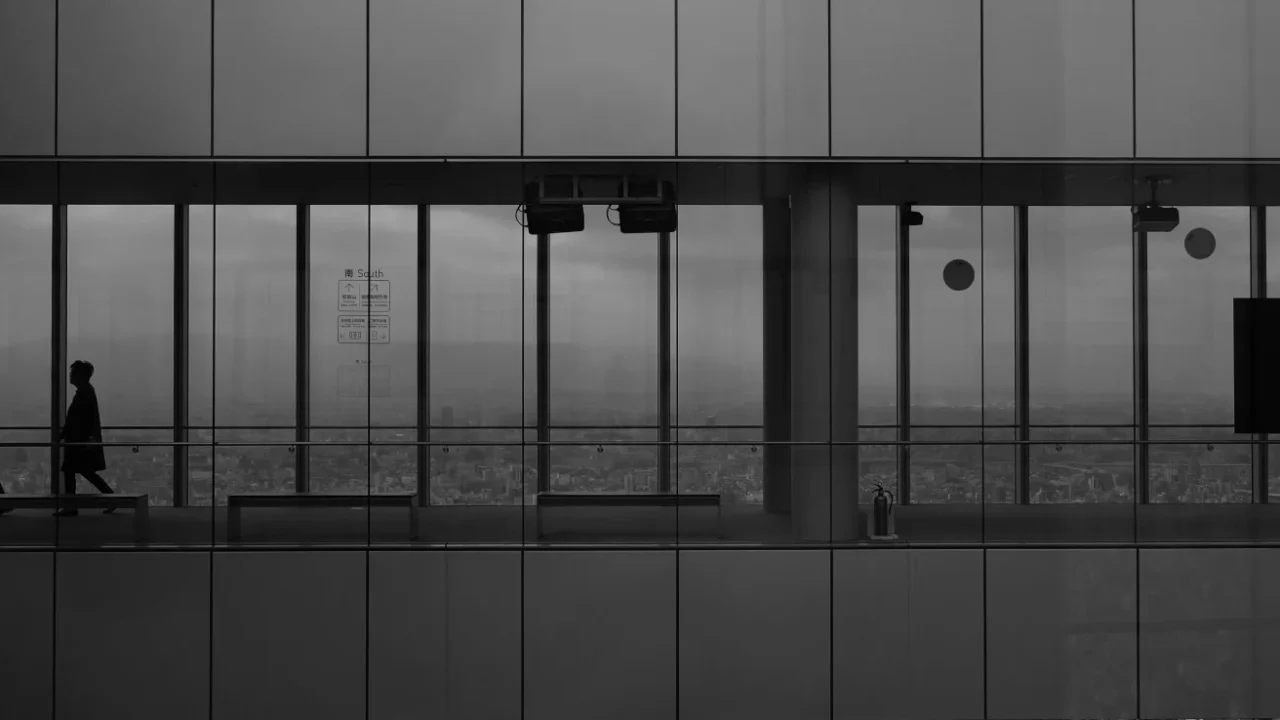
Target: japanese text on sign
[358,329]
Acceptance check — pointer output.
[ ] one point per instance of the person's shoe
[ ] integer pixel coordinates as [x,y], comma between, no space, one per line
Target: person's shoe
[108,511]
[67,512]
[5,511]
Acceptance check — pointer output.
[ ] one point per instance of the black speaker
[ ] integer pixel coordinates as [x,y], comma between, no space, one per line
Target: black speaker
[650,218]
[647,219]
[1257,365]
[553,219]
[550,219]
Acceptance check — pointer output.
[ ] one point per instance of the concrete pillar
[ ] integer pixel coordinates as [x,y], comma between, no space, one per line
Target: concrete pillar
[811,359]
[777,354]
[824,359]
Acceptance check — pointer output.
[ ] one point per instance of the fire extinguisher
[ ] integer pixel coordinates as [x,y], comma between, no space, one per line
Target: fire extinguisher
[881,507]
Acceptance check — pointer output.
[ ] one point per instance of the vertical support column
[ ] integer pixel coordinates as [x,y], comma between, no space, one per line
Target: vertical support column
[1022,354]
[664,361]
[777,354]
[302,378]
[1141,383]
[1258,290]
[181,348]
[58,348]
[811,371]
[544,362]
[843,265]
[424,354]
[902,252]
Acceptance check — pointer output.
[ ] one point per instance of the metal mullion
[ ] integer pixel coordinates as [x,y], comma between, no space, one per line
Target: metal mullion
[181,348]
[58,345]
[903,309]
[424,354]
[1258,290]
[302,361]
[1141,381]
[543,281]
[1022,353]
[664,361]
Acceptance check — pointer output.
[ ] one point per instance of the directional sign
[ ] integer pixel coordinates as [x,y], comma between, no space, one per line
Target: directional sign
[377,296]
[364,296]
[356,329]
[349,292]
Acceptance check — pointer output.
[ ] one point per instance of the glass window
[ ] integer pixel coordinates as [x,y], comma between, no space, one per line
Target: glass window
[476,324]
[348,307]
[1081,353]
[1191,363]
[718,319]
[604,352]
[393,360]
[26,234]
[478,303]
[946,356]
[1081,316]
[999,356]
[120,308]
[877,348]
[254,361]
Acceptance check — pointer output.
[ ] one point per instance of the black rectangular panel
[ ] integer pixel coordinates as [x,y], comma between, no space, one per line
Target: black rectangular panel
[1257,365]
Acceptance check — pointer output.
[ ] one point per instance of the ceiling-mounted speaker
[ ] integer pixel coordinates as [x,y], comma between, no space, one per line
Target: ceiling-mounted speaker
[550,219]
[651,217]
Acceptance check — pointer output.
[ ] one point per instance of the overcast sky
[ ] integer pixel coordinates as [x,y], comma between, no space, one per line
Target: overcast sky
[604,287]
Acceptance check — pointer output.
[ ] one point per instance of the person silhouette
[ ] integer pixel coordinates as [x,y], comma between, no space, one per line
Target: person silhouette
[83,425]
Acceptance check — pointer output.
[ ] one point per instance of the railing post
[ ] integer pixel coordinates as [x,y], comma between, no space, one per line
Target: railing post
[1258,289]
[181,349]
[302,361]
[424,354]
[58,346]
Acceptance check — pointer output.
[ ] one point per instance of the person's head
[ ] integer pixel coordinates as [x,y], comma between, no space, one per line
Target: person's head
[81,372]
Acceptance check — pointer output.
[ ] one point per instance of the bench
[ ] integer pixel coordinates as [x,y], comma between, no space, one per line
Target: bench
[556,499]
[332,500]
[127,501]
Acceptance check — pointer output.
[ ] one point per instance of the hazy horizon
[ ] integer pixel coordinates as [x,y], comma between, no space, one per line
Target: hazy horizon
[604,305]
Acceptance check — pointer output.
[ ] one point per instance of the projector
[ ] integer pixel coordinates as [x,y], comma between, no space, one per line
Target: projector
[1154,218]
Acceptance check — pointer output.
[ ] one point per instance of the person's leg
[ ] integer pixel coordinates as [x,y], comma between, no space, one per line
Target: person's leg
[101,485]
[4,510]
[98,483]
[68,488]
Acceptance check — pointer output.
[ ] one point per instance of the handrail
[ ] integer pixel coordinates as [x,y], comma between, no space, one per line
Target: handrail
[635,443]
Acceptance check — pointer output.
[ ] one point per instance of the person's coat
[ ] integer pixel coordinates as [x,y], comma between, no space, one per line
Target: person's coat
[83,425]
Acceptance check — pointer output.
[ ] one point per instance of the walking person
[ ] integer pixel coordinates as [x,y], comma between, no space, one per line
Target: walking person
[83,425]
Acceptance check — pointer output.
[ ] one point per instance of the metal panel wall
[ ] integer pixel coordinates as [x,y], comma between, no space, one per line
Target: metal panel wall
[906,78]
[1058,78]
[599,77]
[753,78]
[444,77]
[27,76]
[289,77]
[134,77]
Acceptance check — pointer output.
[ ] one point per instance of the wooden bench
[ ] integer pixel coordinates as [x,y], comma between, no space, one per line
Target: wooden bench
[555,499]
[127,501]
[332,500]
